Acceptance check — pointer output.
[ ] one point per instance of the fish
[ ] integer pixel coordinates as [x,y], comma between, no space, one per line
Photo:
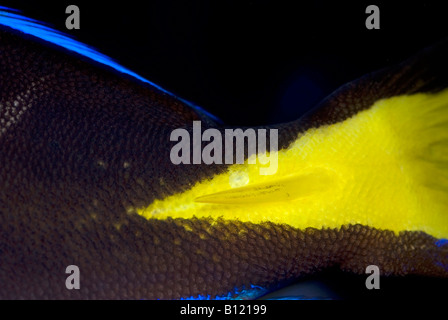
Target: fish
[86,180]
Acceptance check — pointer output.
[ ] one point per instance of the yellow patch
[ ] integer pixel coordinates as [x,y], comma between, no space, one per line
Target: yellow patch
[385,167]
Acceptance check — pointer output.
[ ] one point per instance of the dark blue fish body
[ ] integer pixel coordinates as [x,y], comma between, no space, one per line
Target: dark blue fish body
[85,142]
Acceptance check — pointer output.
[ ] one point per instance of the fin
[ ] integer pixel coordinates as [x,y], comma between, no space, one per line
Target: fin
[423,133]
[13,19]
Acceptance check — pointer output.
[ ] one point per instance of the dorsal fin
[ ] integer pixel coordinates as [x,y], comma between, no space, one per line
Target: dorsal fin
[13,19]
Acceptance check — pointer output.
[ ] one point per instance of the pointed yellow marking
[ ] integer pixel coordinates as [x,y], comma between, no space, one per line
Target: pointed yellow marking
[385,167]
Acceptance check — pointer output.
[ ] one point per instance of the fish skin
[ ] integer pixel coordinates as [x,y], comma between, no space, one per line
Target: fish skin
[66,189]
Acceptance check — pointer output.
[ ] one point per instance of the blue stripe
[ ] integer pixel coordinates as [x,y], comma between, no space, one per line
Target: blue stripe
[237,294]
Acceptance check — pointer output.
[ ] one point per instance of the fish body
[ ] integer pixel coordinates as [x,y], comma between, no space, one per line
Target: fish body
[87,180]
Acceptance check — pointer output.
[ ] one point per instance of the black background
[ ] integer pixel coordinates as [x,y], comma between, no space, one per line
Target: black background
[249,62]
